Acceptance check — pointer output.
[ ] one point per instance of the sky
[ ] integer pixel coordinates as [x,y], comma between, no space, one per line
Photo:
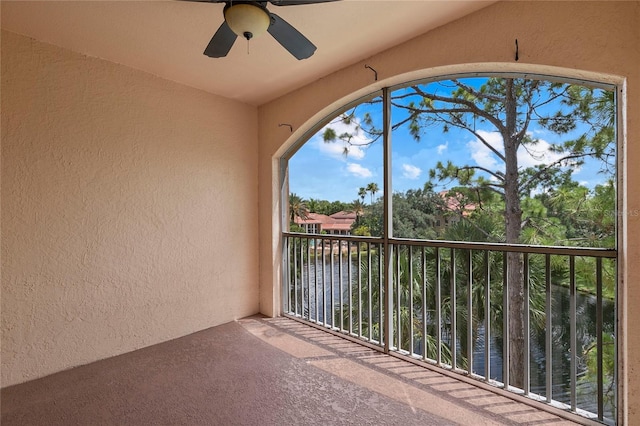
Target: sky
[320,170]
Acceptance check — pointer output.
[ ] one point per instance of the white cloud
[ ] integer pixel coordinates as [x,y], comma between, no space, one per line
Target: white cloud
[356,146]
[538,154]
[336,150]
[358,170]
[411,172]
[482,155]
[442,148]
[532,156]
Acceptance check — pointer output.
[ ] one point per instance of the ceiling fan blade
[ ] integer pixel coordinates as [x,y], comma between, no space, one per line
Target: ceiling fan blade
[295,2]
[290,38]
[221,42]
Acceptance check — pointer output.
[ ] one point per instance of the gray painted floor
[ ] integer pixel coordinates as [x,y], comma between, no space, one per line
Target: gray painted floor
[259,371]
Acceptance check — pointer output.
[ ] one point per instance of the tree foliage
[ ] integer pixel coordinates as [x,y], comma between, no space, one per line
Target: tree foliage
[297,208]
[536,134]
[504,116]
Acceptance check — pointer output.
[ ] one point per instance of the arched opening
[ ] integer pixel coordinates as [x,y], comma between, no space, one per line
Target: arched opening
[468,221]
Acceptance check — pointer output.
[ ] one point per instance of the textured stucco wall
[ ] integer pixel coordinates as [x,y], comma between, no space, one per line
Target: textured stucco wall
[128,209]
[591,40]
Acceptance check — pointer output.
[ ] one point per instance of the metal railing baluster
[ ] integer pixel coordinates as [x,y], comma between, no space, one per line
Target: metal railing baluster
[315,277]
[470,313]
[292,247]
[410,301]
[388,296]
[424,304]
[332,284]
[505,321]
[324,283]
[548,332]
[369,291]
[572,332]
[350,285]
[309,280]
[359,274]
[381,290]
[398,302]
[340,286]
[300,273]
[438,309]
[526,347]
[599,339]
[290,280]
[487,317]
[453,312]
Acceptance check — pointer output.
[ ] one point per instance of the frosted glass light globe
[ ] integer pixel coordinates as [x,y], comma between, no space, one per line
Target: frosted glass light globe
[247,20]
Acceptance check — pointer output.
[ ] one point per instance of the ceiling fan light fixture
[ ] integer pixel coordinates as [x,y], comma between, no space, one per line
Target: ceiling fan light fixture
[247,20]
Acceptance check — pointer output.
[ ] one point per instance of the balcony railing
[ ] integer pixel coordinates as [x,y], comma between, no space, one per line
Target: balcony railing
[442,302]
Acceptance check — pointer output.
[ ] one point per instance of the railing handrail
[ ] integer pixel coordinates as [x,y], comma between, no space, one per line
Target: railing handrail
[503,247]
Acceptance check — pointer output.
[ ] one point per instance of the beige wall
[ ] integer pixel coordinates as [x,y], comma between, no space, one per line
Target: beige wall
[128,209]
[598,40]
[124,195]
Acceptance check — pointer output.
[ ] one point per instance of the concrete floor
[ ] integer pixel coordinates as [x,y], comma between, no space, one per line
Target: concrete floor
[259,371]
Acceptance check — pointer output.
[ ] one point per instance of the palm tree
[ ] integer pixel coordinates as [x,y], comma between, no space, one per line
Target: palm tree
[362,192]
[372,188]
[358,208]
[297,208]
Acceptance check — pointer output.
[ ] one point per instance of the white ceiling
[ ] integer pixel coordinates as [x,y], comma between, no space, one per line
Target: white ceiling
[167,38]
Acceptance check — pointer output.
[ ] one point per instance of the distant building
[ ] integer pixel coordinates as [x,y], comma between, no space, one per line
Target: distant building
[453,210]
[338,223]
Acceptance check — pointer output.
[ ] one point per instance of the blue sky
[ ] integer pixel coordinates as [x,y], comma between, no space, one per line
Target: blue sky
[321,171]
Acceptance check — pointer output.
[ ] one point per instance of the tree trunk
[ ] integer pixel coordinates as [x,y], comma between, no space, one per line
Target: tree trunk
[513,223]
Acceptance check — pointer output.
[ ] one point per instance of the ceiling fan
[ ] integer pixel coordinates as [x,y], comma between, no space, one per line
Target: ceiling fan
[249,19]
